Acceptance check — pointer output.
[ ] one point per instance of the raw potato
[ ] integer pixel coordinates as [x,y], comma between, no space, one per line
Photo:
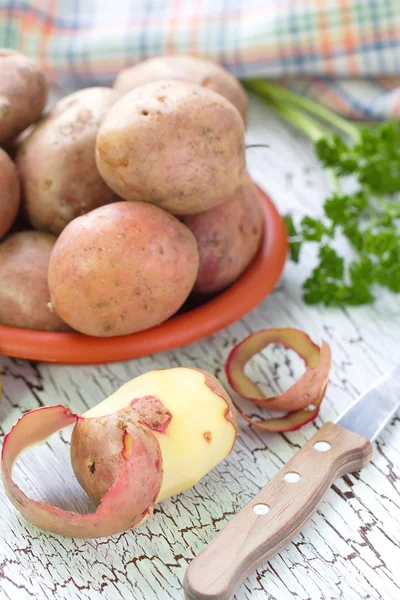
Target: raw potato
[155,436]
[228,237]
[59,177]
[177,145]
[185,68]
[200,433]
[122,268]
[23,93]
[24,291]
[9,193]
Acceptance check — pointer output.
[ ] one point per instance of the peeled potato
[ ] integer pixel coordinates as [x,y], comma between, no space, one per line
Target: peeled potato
[177,145]
[228,237]
[122,268]
[23,93]
[9,193]
[24,291]
[185,68]
[158,435]
[195,436]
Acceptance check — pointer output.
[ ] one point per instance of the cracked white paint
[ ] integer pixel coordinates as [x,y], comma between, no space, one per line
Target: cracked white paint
[350,549]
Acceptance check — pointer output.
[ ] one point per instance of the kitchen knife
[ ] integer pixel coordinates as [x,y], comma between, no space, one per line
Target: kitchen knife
[279,511]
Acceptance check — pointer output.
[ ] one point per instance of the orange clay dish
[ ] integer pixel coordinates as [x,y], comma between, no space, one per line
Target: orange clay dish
[219,312]
[308,391]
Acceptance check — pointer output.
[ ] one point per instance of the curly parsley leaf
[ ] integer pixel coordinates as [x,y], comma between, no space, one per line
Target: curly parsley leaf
[368,218]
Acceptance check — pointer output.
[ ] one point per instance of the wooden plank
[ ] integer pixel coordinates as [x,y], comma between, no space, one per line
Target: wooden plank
[351,547]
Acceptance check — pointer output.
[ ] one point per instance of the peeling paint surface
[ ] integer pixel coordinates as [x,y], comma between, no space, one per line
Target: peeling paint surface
[351,547]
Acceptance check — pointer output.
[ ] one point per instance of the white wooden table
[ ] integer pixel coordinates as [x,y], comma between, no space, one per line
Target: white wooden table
[349,550]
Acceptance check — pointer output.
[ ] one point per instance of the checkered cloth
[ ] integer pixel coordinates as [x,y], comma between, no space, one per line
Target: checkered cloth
[344,53]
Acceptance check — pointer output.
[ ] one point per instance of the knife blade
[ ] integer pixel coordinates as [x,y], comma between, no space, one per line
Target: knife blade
[279,511]
[372,411]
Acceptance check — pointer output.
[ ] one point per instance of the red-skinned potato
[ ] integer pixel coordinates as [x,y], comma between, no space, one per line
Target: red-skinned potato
[177,145]
[24,291]
[228,237]
[122,268]
[9,193]
[56,162]
[156,436]
[23,93]
[185,68]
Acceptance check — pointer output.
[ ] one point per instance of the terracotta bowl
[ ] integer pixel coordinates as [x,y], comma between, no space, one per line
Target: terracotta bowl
[188,326]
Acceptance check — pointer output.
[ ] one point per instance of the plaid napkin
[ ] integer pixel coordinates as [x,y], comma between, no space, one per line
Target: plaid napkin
[344,53]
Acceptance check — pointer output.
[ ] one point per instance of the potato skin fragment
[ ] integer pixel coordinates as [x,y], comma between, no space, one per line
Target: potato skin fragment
[215,386]
[102,441]
[129,499]
[308,390]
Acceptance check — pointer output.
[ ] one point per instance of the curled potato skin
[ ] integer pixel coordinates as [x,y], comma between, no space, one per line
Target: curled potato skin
[185,68]
[24,291]
[228,237]
[97,469]
[9,193]
[122,268]
[177,145]
[56,162]
[127,501]
[23,93]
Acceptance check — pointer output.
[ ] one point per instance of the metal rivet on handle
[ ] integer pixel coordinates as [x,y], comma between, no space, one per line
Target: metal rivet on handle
[292,477]
[322,446]
[261,509]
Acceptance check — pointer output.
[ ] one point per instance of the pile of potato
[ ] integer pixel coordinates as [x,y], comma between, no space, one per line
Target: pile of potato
[119,203]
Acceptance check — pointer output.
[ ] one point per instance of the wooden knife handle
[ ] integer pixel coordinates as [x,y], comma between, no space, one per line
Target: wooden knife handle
[276,514]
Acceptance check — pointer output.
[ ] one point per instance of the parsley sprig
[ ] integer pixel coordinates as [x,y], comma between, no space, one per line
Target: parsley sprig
[369,218]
